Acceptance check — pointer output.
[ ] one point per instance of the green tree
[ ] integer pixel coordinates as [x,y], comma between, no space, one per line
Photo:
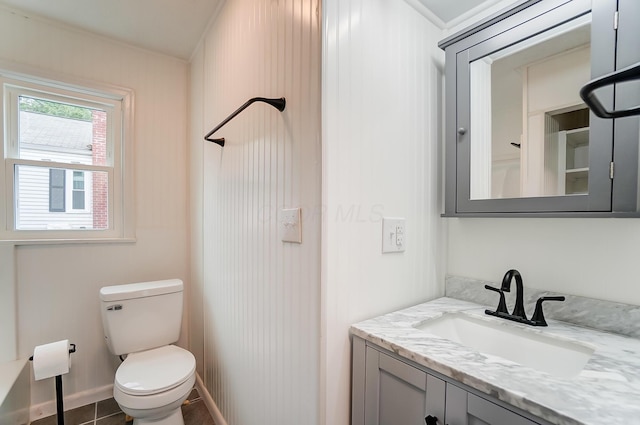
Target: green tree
[47,107]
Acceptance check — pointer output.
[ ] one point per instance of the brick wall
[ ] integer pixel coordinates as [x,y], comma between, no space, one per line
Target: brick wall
[100,180]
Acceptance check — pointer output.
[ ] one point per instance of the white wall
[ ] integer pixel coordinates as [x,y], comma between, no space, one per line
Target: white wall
[382,97]
[592,257]
[261,305]
[8,327]
[196,199]
[57,286]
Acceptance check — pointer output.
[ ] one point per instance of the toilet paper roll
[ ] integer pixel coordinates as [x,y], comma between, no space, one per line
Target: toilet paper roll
[51,360]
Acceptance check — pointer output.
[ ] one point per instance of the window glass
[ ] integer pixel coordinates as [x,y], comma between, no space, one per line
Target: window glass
[53,198]
[55,131]
[78,190]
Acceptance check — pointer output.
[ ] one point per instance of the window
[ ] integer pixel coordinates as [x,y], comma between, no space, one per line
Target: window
[64,150]
[77,193]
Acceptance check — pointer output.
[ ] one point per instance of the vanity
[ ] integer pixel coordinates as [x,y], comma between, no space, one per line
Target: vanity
[524,137]
[447,362]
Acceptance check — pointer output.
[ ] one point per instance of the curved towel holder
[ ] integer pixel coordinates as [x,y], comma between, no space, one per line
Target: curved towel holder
[587,92]
[279,104]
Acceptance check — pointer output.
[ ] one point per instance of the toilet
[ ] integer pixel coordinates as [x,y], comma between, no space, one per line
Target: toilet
[142,321]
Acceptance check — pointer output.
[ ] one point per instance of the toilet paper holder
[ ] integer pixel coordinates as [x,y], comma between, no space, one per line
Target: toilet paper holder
[59,403]
[71,350]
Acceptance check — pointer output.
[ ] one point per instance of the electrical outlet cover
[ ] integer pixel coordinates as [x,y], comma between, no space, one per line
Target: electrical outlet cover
[393,234]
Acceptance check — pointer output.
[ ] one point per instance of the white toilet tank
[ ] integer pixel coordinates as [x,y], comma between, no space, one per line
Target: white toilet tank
[141,316]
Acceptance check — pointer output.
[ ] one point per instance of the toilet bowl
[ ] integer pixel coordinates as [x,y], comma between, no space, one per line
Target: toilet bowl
[143,320]
[152,385]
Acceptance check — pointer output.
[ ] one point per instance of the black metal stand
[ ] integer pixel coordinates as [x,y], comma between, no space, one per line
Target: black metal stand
[59,404]
[59,394]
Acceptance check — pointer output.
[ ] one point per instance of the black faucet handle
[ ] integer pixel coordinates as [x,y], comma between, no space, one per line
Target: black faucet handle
[502,304]
[538,314]
[431,420]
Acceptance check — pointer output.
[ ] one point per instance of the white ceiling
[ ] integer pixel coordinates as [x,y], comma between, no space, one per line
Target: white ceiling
[172,27]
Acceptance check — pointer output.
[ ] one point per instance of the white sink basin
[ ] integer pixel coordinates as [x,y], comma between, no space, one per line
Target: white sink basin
[558,357]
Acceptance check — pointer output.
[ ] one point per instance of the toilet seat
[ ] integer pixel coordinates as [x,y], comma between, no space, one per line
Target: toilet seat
[140,406]
[155,371]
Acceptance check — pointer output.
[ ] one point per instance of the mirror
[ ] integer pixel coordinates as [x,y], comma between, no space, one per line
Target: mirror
[530,133]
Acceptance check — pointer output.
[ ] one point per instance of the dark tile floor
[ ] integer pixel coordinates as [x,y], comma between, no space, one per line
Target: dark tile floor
[107,412]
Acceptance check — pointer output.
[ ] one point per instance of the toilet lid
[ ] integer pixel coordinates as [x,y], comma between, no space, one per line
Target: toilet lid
[154,371]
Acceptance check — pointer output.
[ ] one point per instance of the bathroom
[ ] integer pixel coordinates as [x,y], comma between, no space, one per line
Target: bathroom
[361,138]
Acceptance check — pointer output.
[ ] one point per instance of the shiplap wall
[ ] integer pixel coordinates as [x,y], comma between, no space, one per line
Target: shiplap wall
[382,100]
[57,285]
[261,297]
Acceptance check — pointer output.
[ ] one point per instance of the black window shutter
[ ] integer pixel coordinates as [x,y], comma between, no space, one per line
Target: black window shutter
[56,190]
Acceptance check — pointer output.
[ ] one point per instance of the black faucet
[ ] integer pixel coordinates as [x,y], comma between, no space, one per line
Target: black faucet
[518,314]
[518,310]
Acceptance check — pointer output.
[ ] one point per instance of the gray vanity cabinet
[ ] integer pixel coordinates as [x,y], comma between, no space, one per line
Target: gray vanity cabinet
[464,408]
[390,390]
[397,393]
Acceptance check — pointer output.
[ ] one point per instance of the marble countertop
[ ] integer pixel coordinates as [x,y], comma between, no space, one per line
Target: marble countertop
[606,391]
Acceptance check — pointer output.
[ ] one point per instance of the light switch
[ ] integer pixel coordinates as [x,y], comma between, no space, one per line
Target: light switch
[290,225]
[393,234]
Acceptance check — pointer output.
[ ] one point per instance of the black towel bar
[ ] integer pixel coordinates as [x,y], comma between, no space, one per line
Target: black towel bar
[279,104]
[629,73]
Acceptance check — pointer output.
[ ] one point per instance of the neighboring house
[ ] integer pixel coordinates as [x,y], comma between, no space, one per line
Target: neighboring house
[56,198]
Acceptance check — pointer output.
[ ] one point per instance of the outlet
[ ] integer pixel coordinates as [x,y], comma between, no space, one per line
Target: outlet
[290,227]
[393,234]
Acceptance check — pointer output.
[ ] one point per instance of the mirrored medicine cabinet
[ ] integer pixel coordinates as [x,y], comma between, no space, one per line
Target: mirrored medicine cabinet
[520,140]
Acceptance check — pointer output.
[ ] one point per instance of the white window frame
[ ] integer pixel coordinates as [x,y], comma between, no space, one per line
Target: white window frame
[118,103]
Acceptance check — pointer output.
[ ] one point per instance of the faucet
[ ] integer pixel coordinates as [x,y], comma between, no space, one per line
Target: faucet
[518,314]
[518,310]
[538,314]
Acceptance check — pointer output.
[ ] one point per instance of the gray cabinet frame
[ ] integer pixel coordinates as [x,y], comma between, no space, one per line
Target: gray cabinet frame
[627,130]
[397,393]
[385,386]
[465,408]
[606,197]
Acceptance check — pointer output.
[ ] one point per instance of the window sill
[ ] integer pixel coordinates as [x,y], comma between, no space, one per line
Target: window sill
[65,241]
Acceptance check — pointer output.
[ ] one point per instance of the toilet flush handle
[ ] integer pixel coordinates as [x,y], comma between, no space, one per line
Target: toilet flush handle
[115,307]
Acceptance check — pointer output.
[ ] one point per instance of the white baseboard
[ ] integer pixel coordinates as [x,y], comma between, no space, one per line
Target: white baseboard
[48,408]
[208,401]
[80,399]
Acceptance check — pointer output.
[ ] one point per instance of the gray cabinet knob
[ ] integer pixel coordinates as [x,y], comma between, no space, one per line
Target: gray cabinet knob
[462,131]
